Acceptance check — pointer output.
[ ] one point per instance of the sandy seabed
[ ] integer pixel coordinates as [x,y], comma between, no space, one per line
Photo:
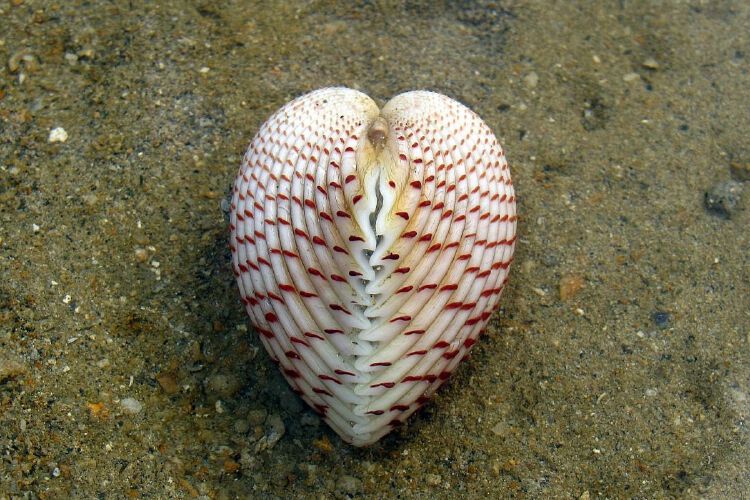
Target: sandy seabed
[617,367]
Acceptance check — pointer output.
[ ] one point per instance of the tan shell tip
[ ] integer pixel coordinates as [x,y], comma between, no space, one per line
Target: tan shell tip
[378,131]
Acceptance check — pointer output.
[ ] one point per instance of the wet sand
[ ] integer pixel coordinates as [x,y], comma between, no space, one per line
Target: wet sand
[617,366]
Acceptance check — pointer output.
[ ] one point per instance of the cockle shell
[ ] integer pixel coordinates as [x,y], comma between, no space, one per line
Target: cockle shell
[371,247]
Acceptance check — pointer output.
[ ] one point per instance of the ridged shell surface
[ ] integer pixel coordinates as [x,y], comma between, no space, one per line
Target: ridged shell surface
[371,247]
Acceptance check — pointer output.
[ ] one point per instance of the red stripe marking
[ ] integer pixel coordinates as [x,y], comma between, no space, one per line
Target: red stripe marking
[410,234]
[414,332]
[401,318]
[431,286]
[319,241]
[271,317]
[399,407]
[314,271]
[417,353]
[402,270]
[343,372]
[441,344]
[265,333]
[263,261]
[292,355]
[384,363]
[287,288]
[405,289]
[416,184]
[403,215]
[328,377]
[336,277]
[337,307]
[295,340]
[309,203]
[314,336]
[387,385]
[332,331]
[343,214]
[474,320]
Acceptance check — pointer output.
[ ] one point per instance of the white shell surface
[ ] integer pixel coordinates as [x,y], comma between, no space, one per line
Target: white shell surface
[371,247]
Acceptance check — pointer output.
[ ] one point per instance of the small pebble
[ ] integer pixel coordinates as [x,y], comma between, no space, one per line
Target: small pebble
[131,405]
[723,198]
[141,255]
[241,426]
[501,429]
[531,80]
[168,383]
[223,386]
[661,318]
[631,77]
[10,367]
[57,134]
[651,392]
[570,285]
[231,467]
[348,485]
[433,479]
[275,429]
[256,417]
[650,63]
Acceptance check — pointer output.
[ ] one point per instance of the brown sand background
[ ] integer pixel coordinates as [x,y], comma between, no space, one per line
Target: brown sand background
[617,366]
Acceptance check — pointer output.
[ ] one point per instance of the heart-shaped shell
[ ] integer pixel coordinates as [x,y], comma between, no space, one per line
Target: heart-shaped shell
[371,247]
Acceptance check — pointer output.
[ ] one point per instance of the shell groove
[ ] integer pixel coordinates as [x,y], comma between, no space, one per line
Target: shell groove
[371,247]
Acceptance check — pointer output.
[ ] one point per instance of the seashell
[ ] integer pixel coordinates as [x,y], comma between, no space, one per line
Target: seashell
[371,247]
